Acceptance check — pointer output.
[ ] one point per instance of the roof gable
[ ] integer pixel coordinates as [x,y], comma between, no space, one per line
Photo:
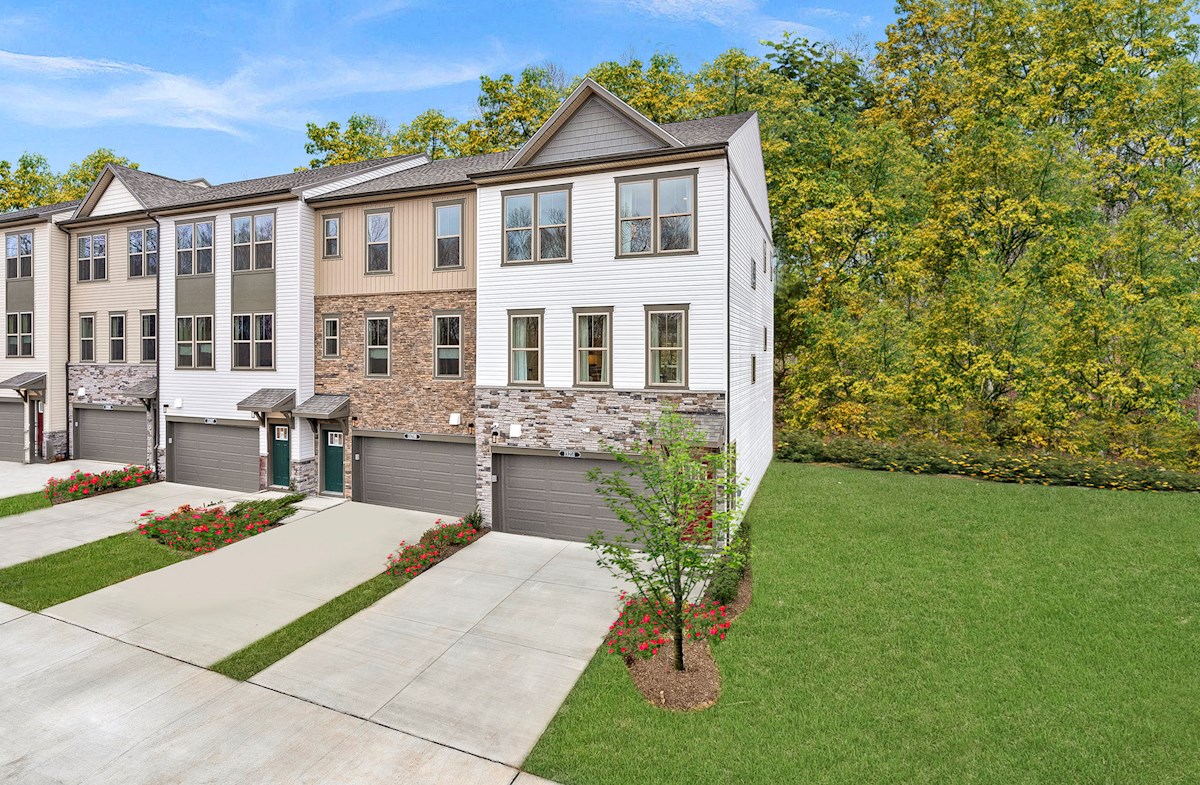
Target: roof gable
[120,189]
[591,122]
[116,199]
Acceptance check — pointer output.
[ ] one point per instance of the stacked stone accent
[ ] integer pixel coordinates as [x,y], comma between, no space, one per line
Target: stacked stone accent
[103,383]
[577,419]
[304,475]
[54,445]
[410,399]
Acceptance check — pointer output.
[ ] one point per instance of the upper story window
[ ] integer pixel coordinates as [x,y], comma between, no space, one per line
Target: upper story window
[93,257]
[331,237]
[18,255]
[447,346]
[253,239]
[593,346]
[656,214]
[20,334]
[194,342]
[149,337]
[143,252]
[254,341]
[379,346]
[536,226]
[194,248]
[116,337]
[448,233]
[379,241]
[666,346]
[87,338]
[525,347]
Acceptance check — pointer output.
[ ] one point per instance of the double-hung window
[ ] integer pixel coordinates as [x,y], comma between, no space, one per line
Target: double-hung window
[87,338]
[448,235]
[447,346]
[656,214]
[666,346]
[149,337]
[143,252]
[331,238]
[18,255]
[254,341]
[194,248]
[379,345]
[19,329]
[379,241]
[525,348]
[116,337]
[194,342]
[93,257]
[593,346]
[264,340]
[536,226]
[253,241]
[331,338]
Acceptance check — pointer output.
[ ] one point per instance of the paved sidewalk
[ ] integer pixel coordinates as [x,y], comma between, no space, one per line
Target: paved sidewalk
[52,529]
[477,654]
[202,610]
[79,708]
[21,478]
[8,613]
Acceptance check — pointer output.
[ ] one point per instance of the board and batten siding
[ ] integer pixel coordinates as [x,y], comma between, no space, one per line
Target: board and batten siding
[215,393]
[751,419]
[117,294]
[116,199]
[594,130]
[412,249]
[595,277]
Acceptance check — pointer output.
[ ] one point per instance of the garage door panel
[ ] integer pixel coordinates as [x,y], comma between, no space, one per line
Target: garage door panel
[218,456]
[552,497]
[116,435]
[12,431]
[436,477]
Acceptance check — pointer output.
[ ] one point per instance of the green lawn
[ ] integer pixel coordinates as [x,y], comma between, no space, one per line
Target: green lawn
[929,630]
[38,584]
[243,664]
[13,505]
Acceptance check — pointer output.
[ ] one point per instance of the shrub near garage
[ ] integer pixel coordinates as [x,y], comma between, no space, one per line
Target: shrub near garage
[435,545]
[204,529]
[83,485]
[642,628]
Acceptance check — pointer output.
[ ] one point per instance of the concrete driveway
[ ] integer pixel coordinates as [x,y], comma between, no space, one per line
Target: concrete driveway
[29,477]
[477,654]
[52,529]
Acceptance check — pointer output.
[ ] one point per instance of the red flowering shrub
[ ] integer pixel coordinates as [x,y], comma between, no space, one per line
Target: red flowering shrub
[204,529]
[450,535]
[83,485]
[437,543]
[409,561]
[643,627]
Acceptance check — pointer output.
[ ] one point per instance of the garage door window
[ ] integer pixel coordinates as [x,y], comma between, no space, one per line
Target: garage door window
[447,338]
[193,342]
[20,334]
[525,348]
[116,338]
[379,348]
[593,347]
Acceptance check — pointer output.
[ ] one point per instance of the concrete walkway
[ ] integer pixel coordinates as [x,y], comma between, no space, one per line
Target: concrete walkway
[52,529]
[476,654]
[21,478]
[79,708]
[204,609]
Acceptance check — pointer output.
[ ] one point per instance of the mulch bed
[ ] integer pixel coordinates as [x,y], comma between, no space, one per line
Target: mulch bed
[744,595]
[697,687]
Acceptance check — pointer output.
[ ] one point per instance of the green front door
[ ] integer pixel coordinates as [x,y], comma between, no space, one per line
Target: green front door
[331,461]
[281,456]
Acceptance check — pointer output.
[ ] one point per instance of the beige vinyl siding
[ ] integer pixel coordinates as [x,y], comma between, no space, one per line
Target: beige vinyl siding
[118,294]
[56,378]
[412,251]
[116,199]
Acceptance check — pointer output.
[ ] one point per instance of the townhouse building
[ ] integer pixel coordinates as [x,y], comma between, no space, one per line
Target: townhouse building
[436,335]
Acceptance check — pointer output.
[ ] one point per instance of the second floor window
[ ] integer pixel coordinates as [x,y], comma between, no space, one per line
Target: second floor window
[447,349]
[149,337]
[536,226]
[93,257]
[116,338]
[18,255]
[143,252]
[379,242]
[20,334]
[194,342]
[656,215]
[525,348]
[332,246]
[666,347]
[87,339]
[449,235]
[194,248]
[593,342]
[254,341]
[331,337]
[379,346]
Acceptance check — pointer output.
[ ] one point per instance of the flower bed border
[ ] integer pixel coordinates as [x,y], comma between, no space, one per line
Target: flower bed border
[57,489]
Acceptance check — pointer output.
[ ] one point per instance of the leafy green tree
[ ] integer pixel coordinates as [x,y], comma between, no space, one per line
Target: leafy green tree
[75,182]
[677,501]
[364,137]
[512,108]
[29,184]
[431,133]
[659,89]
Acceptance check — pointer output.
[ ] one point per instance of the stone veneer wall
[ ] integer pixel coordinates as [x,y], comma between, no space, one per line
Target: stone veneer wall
[410,399]
[557,419]
[304,474]
[54,445]
[103,383]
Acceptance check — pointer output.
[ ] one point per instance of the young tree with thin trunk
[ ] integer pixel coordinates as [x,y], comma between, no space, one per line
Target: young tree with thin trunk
[679,503]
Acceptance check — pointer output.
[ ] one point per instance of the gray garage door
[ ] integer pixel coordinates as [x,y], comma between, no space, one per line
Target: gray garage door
[417,475]
[551,497]
[118,436]
[12,432]
[219,456]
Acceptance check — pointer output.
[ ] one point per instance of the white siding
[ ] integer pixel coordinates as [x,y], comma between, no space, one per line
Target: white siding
[751,419]
[303,447]
[595,277]
[116,199]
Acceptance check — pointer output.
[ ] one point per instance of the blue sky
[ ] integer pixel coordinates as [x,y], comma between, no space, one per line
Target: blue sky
[223,90]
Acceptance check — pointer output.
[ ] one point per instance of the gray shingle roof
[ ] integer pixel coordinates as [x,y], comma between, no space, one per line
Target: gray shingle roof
[324,407]
[707,130]
[154,190]
[268,399]
[30,380]
[41,211]
[146,388]
[443,171]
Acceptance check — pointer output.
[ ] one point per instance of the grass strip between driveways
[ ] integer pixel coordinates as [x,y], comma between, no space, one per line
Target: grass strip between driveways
[243,664]
[25,502]
[58,577]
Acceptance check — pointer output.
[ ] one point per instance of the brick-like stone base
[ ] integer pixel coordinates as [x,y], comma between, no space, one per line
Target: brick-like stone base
[304,475]
[575,419]
[54,445]
[103,384]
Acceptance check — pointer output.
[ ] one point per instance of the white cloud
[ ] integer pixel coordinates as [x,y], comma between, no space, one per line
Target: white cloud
[280,92]
[376,10]
[746,16]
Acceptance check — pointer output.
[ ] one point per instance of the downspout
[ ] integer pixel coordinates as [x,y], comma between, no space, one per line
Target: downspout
[69,413]
[156,430]
[728,298]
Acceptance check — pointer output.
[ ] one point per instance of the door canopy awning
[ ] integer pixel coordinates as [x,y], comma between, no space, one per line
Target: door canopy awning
[30,381]
[324,407]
